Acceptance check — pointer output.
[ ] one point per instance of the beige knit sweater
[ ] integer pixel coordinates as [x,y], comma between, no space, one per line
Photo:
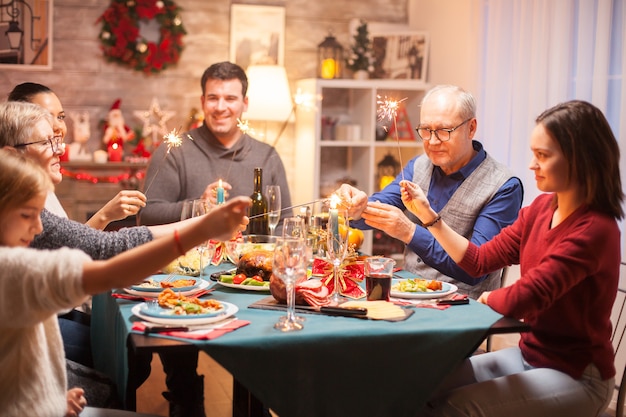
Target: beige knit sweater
[34,286]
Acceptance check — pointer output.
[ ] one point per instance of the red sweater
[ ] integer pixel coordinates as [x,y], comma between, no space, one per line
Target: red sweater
[568,283]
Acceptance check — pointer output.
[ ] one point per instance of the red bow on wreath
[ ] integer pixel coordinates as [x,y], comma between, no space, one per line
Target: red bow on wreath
[350,275]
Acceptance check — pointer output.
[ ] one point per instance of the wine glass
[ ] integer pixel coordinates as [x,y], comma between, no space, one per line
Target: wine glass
[272,193]
[294,227]
[337,247]
[187,209]
[207,248]
[288,263]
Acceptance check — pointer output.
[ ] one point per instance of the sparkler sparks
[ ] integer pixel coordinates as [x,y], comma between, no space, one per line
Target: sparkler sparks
[173,140]
[388,110]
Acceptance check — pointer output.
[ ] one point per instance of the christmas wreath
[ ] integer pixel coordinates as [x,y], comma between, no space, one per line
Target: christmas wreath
[121,40]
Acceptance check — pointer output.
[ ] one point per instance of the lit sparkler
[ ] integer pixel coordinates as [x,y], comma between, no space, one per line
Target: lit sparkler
[171,140]
[388,110]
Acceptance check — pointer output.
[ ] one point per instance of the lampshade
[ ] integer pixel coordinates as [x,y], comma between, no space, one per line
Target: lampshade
[269,98]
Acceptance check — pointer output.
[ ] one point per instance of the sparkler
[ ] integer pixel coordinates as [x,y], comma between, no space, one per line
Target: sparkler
[292,207]
[388,110]
[172,140]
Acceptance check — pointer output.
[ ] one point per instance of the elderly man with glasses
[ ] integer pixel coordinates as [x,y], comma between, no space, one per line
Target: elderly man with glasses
[476,195]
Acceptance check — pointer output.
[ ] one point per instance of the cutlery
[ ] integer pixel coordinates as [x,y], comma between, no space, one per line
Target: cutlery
[129,297]
[151,328]
[453,302]
[158,329]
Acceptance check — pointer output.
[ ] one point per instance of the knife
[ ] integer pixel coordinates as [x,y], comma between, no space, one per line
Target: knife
[343,311]
[158,329]
[453,302]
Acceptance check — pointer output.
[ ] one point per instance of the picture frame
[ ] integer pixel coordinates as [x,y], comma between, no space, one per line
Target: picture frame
[34,19]
[400,54]
[257,35]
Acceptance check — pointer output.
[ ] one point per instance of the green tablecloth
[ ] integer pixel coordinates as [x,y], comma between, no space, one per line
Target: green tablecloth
[335,366]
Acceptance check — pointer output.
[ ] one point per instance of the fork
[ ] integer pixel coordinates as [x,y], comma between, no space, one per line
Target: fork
[170,277]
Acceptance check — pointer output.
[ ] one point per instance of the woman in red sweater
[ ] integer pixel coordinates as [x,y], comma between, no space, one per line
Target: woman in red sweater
[567,243]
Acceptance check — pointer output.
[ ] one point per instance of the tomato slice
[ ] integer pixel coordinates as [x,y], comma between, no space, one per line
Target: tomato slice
[257,278]
[239,278]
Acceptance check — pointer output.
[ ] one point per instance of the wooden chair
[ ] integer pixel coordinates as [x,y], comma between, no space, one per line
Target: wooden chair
[618,318]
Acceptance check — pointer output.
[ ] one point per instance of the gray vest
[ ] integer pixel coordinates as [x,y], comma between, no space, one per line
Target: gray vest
[460,214]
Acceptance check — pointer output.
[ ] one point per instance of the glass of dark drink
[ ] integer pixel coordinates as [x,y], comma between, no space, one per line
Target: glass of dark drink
[378,273]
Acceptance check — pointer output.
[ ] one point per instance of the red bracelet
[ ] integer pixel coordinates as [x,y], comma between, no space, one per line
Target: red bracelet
[179,245]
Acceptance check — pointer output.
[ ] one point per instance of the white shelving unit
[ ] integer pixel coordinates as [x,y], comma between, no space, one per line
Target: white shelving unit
[350,151]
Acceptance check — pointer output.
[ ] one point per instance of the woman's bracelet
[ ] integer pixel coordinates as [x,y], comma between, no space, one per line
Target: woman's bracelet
[179,245]
[434,222]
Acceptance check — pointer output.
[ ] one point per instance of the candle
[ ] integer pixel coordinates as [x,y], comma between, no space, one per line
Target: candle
[329,68]
[100,157]
[333,219]
[115,153]
[220,193]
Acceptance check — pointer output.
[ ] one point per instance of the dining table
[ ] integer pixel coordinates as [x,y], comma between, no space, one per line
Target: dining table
[334,366]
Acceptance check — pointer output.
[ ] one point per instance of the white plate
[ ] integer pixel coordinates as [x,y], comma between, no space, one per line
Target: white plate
[244,287]
[447,289]
[229,310]
[161,277]
[201,286]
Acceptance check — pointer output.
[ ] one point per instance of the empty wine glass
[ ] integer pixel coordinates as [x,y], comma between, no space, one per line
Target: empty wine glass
[187,209]
[234,250]
[337,247]
[289,262]
[272,193]
[206,248]
[294,227]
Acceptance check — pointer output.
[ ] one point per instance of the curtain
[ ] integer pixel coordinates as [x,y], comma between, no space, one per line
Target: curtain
[537,53]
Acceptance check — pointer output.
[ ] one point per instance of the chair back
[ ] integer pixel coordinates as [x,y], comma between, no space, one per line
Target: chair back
[503,275]
[618,318]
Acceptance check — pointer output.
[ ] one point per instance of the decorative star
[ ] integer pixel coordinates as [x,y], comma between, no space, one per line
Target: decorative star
[154,121]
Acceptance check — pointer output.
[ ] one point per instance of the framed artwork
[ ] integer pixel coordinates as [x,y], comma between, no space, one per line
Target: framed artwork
[26,34]
[257,35]
[400,55]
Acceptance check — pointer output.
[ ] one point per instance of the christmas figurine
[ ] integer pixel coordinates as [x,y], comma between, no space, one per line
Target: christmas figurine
[78,150]
[116,133]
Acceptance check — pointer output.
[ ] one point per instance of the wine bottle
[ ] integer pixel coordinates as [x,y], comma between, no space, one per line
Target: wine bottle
[258,225]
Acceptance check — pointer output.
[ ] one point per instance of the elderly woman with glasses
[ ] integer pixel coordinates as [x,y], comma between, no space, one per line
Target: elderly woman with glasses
[480,195]
[125,203]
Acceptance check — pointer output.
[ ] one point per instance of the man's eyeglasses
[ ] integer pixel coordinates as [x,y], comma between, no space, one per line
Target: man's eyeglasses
[442,134]
[55,143]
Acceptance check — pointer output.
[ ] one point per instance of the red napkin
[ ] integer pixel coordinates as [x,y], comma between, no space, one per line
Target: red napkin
[140,298]
[206,334]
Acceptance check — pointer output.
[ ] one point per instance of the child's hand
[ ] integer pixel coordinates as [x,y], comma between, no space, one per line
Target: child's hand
[224,220]
[76,402]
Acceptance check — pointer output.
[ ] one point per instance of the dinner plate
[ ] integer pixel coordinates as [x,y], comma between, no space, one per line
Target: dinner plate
[142,311]
[141,293]
[162,277]
[446,289]
[155,310]
[244,287]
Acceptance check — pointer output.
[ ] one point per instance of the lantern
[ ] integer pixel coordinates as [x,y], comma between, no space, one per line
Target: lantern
[388,169]
[329,58]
